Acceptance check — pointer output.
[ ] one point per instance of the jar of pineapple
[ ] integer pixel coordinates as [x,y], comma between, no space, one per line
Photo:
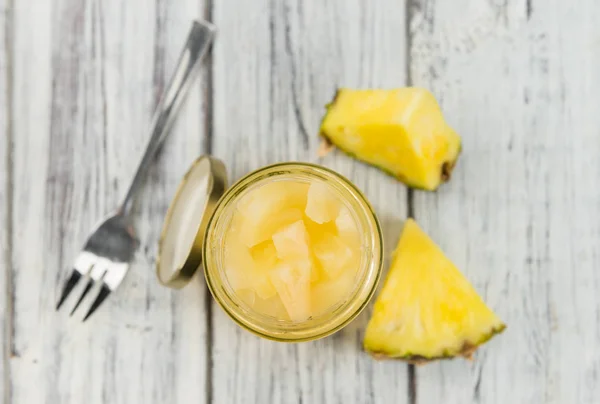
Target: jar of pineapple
[291,252]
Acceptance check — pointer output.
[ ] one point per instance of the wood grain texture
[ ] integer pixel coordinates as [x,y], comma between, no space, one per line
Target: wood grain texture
[519,81]
[277,63]
[86,80]
[5,144]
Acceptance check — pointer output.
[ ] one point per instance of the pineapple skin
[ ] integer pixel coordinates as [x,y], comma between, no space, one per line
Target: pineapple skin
[379,341]
[352,119]
[466,351]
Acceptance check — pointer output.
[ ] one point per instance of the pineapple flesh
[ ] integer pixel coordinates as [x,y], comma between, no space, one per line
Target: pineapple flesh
[427,309]
[402,131]
[293,250]
[269,208]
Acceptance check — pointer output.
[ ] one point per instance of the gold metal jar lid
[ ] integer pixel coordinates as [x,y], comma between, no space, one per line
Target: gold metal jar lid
[184,228]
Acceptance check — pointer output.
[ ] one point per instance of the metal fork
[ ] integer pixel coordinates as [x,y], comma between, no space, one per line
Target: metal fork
[110,248]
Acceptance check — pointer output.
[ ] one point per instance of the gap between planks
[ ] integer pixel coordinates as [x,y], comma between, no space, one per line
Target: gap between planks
[8,348]
[408,15]
[207,96]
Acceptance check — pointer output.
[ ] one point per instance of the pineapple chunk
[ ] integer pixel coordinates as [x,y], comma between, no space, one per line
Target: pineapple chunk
[322,205]
[264,255]
[267,209]
[346,227]
[248,296]
[401,131]
[272,307]
[427,309]
[292,282]
[333,254]
[292,244]
[328,293]
[243,272]
[315,230]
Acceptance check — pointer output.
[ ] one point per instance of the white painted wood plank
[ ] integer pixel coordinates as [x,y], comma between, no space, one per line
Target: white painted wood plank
[32,86]
[519,80]
[86,81]
[277,63]
[5,300]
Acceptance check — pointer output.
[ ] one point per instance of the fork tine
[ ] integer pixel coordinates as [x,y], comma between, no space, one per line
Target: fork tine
[68,287]
[85,292]
[104,292]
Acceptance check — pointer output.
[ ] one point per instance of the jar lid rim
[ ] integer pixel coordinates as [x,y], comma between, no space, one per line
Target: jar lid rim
[186,221]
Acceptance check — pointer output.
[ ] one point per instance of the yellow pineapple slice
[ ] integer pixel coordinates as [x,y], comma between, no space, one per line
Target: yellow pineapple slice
[402,131]
[292,282]
[322,205]
[265,210]
[243,272]
[427,309]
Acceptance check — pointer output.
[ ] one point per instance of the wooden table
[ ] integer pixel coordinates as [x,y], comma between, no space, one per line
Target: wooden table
[518,79]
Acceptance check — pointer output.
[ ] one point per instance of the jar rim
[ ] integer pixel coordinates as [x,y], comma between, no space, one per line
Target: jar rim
[366,283]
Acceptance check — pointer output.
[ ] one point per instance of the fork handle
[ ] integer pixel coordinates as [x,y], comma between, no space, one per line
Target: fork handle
[198,41]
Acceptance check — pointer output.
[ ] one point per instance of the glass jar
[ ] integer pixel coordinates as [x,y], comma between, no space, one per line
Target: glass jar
[219,216]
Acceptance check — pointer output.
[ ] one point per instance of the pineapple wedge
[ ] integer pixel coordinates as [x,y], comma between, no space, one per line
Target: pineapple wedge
[402,131]
[427,309]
